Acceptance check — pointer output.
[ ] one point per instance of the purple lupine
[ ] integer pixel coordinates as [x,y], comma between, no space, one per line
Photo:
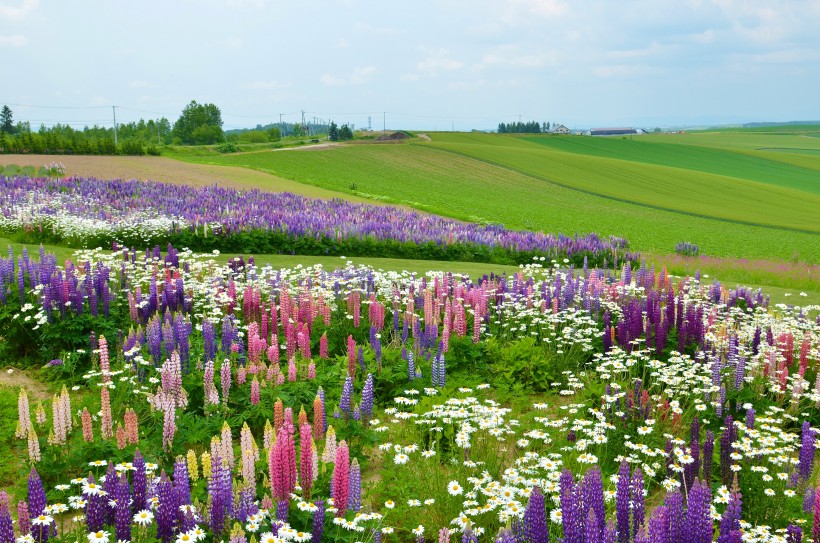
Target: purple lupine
[535,518]
[659,525]
[182,483]
[794,534]
[726,441]
[698,522]
[808,500]
[622,501]
[139,483]
[730,520]
[109,486]
[571,509]
[469,536]
[23,518]
[593,497]
[209,340]
[591,532]
[354,498]
[505,536]
[96,505]
[708,455]
[318,521]
[750,418]
[6,526]
[345,403]
[215,490]
[366,407]
[610,533]
[638,511]
[36,494]
[806,456]
[122,513]
[167,509]
[282,507]
[674,508]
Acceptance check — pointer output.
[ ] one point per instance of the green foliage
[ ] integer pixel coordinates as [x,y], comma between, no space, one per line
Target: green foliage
[333,132]
[6,120]
[345,133]
[199,124]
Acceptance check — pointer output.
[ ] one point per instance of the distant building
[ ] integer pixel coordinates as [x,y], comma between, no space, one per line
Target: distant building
[613,132]
[561,129]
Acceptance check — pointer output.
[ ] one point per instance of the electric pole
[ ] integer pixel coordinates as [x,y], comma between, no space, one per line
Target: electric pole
[114,109]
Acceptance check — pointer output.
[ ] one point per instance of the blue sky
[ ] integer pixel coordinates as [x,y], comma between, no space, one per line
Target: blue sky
[427,64]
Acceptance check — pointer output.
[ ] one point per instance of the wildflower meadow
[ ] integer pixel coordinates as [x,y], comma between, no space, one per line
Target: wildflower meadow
[586,398]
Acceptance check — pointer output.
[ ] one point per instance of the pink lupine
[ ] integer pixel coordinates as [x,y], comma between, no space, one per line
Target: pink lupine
[290,339]
[88,429]
[305,459]
[225,376]
[169,426]
[311,370]
[351,357]
[280,379]
[241,375]
[131,427]
[356,308]
[323,346]
[227,445]
[255,391]
[278,414]
[476,326]
[58,421]
[287,422]
[23,414]
[211,395]
[326,315]
[33,446]
[105,366]
[65,407]
[120,435]
[106,424]
[341,478]
[273,350]
[292,369]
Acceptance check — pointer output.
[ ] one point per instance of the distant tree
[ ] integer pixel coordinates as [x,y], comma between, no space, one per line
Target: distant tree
[199,124]
[299,130]
[657,130]
[274,134]
[333,132]
[6,121]
[345,133]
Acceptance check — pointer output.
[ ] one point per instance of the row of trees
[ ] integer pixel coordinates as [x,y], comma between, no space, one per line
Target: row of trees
[531,127]
[335,133]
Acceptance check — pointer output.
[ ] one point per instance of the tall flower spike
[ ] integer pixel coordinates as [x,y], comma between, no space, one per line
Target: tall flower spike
[341,478]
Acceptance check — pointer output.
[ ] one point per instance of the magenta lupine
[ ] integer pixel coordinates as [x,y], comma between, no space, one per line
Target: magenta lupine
[323,346]
[282,477]
[23,518]
[815,528]
[351,357]
[311,372]
[306,459]
[255,391]
[341,478]
[292,369]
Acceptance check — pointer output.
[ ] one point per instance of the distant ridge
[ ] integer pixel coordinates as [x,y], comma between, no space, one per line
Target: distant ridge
[786,123]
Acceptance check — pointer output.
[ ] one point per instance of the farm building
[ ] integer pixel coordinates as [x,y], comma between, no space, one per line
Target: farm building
[612,131]
[561,129]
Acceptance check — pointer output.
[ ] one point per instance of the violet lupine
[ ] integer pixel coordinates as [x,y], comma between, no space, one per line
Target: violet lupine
[591,532]
[166,509]
[36,494]
[318,521]
[535,518]
[730,521]
[6,526]
[622,502]
[341,478]
[659,525]
[808,499]
[282,507]
[708,455]
[354,499]
[637,502]
[346,401]
[593,496]
[698,521]
[122,512]
[96,507]
[794,534]
[366,406]
[806,456]
[571,508]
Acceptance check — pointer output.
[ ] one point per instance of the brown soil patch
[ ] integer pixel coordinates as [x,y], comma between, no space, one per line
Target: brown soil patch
[19,378]
[169,170]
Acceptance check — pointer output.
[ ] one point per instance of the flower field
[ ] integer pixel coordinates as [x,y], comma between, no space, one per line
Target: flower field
[91,212]
[234,402]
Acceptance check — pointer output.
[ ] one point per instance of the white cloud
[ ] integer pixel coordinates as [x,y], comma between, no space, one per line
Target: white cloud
[15,40]
[18,12]
[141,84]
[439,61]
[359,76]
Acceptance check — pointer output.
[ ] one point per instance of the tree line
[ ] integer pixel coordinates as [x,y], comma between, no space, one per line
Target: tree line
[531,127]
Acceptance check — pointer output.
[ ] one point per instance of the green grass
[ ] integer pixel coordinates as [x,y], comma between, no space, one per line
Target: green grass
[764,168]
[472,188]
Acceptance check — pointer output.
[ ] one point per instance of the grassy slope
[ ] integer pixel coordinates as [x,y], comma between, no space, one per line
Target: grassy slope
[670,188]
[463,187]
[765,167]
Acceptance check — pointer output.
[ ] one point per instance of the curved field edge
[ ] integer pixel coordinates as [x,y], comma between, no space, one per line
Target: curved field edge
[467,188]
[667,188]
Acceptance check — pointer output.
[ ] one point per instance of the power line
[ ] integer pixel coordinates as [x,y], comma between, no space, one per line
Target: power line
[60,107]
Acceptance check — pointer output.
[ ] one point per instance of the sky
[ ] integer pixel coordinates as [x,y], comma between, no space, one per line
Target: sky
[420,65]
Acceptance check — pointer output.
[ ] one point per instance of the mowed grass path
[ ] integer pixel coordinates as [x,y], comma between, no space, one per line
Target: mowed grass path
[444,177]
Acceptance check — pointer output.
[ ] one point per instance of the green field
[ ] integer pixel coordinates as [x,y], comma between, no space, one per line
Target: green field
[524,184]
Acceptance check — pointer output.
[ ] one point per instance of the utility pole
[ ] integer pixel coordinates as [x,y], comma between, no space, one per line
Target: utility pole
[114,109]
[159,139]
[281,127]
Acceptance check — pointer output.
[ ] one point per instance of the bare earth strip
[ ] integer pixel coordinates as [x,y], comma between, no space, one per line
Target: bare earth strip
[172,171]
